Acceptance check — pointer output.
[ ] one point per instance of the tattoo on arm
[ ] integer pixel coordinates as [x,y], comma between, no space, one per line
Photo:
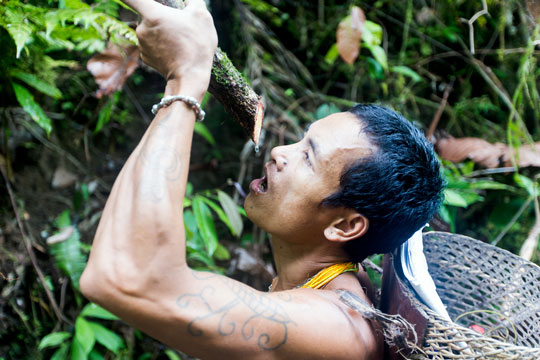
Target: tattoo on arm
[261,312]
[161,163]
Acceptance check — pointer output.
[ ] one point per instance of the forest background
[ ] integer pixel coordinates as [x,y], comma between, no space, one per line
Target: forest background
[75,100]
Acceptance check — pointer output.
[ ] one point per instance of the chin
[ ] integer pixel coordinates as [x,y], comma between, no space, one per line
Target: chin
[255,213]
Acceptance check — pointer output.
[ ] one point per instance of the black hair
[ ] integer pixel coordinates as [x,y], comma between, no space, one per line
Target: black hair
[397,188]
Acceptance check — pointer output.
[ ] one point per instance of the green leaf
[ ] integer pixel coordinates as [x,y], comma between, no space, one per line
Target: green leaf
[106,111]
[205,223]
[524,182]
[69,257]
[18,27]
[53,339]
[326,109]
[37,84]
[332,54]
[231,209]
[95,355]
[379,55]
[219,211]
[172,355]
[32,107]
[190,223]
[202,130]
[106,337]
[201,257]
[97,311]
[61,353]
[407,71]
[454,198]
[63,220]
[222,253]
[372,33]
[77,351]
[84,335]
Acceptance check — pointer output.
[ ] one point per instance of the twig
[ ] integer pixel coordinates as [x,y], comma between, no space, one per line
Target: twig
[512,221]
[137,104]
[471,21]
[31,254]
[371,265]
[500,170]
[531,243]
[440,110]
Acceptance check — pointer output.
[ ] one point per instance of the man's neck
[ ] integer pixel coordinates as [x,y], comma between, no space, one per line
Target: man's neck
[296,263]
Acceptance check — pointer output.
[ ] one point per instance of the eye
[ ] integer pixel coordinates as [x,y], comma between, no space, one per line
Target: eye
[306,156]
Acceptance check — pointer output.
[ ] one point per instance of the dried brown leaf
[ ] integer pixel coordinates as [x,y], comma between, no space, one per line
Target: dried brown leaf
[527,155]
[113,67]
[534,9]
[485,153]
[349,34]
[478,150]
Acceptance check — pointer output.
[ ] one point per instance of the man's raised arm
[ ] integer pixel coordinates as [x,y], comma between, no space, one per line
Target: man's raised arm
[137,268]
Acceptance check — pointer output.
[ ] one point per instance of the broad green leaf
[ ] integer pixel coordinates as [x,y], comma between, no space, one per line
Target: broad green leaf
[61,353]
[38,84]
[231,209]
[53,339]
[106,337]
[201,257]
[202,130]
[326,109]
[190,223]
[172,355]
[97,311]
[95,355]
[63,220]
[219,211]
[78,351]
[84,335]
[69,257]
[205,223]
[454,198]
[407,71]
[18,27]
[332,55]
[372,33]
[32,107]
[106,111]
[379,55]
[222,253]
[527,184]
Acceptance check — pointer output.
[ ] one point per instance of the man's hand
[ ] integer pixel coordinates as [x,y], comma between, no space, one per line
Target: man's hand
[180,44]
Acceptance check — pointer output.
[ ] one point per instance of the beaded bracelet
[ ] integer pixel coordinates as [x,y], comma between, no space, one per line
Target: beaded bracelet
[191,101]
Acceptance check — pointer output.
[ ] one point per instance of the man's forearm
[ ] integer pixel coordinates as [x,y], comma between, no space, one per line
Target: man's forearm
[141,230]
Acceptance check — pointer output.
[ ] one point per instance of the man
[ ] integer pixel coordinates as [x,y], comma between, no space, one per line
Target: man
[359,182]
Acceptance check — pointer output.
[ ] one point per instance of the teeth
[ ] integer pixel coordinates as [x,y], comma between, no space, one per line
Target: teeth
[263,185]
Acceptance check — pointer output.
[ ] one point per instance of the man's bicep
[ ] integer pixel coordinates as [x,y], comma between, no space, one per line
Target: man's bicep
[210,315]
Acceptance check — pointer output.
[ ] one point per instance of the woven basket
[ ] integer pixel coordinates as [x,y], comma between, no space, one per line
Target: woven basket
[486,288]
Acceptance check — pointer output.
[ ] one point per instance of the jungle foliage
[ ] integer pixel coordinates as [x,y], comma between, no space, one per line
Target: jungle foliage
[454,68]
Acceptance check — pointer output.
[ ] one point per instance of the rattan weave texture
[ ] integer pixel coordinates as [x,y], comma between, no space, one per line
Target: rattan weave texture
[485,286]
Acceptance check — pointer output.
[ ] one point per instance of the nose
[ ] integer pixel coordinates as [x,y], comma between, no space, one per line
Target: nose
[278,154]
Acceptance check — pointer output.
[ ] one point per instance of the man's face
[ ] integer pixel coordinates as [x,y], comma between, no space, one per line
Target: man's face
[299,176]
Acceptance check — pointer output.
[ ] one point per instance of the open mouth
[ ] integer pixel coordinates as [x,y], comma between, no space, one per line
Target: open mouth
[259,186]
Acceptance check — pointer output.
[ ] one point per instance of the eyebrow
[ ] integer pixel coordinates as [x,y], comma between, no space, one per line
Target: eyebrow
[314,147]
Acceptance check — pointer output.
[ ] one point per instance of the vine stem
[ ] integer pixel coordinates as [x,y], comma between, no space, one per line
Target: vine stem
[31,253]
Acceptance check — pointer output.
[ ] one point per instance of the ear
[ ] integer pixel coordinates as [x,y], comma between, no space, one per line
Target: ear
[348,227]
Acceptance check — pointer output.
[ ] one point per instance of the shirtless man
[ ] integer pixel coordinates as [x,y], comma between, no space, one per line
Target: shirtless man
[359,182]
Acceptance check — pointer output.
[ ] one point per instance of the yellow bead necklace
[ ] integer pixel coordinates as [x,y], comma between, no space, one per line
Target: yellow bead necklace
[326,275]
